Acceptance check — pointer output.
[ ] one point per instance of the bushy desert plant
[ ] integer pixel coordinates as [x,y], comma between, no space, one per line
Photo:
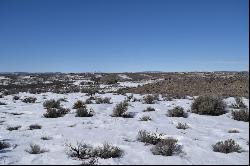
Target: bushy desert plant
[16,97]
[108,151]
[45,138]
[208,105]
[11,128]
[241,115]
[167,147]
[4,145]
[227,146]
[145,118]
[177,112]
[183,126]
[92,90]
[79,104]
[233,131]
[149,99]
[2,103]
[149,109]
[35,149]
[105,100]
[80,151]
[120,109]
[55,113]
[84,112]
[35,126]
[148,138]
[51,104]
[29,100]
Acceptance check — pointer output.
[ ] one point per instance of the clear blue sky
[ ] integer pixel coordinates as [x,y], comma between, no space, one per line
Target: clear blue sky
[123,35]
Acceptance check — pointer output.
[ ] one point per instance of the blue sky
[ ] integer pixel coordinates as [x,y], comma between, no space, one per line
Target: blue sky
[123,35]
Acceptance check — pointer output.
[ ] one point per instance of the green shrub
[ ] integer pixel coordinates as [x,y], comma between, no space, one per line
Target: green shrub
[79,104]
[29,100]
[16,97]
[108,151]
[227,146]
[83,112]
[177,112]
[11,128]
[120,109]
[35,149]
[55,113]
[35,126]
[149,138]
[167,147]
[149,99]
[1,103]
[233,131]
[241,115]
[92,90]
[208,105]
[183,126]
[46,138]
[52,104]
[145,118]
[4,145]
[80,151]
[105,100]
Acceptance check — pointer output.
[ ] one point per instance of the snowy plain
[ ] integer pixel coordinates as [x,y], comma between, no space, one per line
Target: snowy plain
[197,140]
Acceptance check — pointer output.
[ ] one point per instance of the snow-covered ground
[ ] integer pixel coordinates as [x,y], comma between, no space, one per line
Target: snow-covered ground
[197,140]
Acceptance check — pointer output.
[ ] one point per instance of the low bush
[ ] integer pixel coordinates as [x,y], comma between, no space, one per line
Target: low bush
[227,146]
[80,151]
[1,103]
[177,112]
[241,115]
[233,131]
[29,100]
[145,118]
[84,112]
[120,109]
[108,151]
[4,145]
[149,99]
[35,149]
[149,138]
[52,104]
[167,147]
[35,126]
[92,90]
[208,105]
[79,104]
[105,100]
[55,113]
[11,128]
[16,97]
[183,126]
[84,151]
[45,138]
